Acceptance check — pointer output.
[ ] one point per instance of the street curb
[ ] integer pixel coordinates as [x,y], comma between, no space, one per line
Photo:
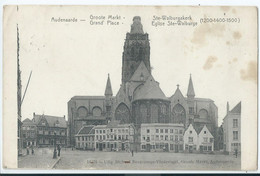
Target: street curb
[56,162]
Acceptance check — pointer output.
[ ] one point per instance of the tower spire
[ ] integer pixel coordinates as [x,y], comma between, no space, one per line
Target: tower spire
[137,27]
[190,92]
[108,90]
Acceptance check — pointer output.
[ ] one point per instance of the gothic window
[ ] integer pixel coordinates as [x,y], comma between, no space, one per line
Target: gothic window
[203,113]
[143,111]
[163,109]
[141,53]
[154,113]
[122,113]
[82,111]
[179,114]
[96,111]
[191,110]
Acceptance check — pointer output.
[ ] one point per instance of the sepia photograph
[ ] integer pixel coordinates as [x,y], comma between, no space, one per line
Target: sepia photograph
[130,87]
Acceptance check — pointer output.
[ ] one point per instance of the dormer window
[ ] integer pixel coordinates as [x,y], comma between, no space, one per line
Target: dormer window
[57,124]
[43,123]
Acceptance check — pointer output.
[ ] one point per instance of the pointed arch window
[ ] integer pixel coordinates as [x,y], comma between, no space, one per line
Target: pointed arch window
[154,113]
[122,113]
[143,110]
[179,114]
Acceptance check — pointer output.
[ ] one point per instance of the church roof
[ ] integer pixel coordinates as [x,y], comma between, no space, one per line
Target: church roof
[108,90]
[140,71]
[137,27]
[149,90]
[51,120]
[237,109]
[190,88]
[177,93]
[88,97]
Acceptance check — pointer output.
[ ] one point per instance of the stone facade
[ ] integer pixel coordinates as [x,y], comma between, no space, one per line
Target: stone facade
[85,138]
[159,137]
[113,137]
[140,98]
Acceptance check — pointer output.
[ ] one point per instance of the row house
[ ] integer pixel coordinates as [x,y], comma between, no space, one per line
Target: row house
[202,141]
[232,129]
[113,137]
[166,137]
[85,138]
[29,133]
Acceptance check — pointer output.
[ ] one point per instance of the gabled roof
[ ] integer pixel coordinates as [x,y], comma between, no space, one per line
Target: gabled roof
[237,109]
[205,129]
[177,93]
[88,98]
[149,90]
[28,122]
[190,88]
[108,90]
[141,70]
[190,127]
[86,130]
[51,120]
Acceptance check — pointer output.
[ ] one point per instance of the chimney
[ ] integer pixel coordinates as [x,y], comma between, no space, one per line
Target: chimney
[64,116]
[33,114]
[227,107]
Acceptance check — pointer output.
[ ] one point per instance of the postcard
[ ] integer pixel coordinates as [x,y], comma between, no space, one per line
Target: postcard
[130,87]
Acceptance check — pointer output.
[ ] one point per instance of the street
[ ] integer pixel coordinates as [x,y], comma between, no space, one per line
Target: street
[78,159]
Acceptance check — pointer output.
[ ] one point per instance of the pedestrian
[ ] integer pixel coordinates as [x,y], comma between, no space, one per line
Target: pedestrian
[27,149]
[32,150]
[59,148]
[132,152]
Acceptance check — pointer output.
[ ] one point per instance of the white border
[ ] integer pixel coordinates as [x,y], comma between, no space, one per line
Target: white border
[114,2]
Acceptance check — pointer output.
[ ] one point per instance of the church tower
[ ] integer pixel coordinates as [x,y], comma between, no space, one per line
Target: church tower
[108,99]
[136,49]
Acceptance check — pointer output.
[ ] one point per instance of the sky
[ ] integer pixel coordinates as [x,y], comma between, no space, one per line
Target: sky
[74,58]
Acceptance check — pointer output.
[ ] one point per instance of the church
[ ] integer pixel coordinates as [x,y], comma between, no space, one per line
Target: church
[140,100]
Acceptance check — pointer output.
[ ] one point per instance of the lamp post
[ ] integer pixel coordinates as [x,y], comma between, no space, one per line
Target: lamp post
[55,151]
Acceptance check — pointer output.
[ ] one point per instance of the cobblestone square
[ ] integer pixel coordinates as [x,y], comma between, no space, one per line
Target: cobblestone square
[79,159]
